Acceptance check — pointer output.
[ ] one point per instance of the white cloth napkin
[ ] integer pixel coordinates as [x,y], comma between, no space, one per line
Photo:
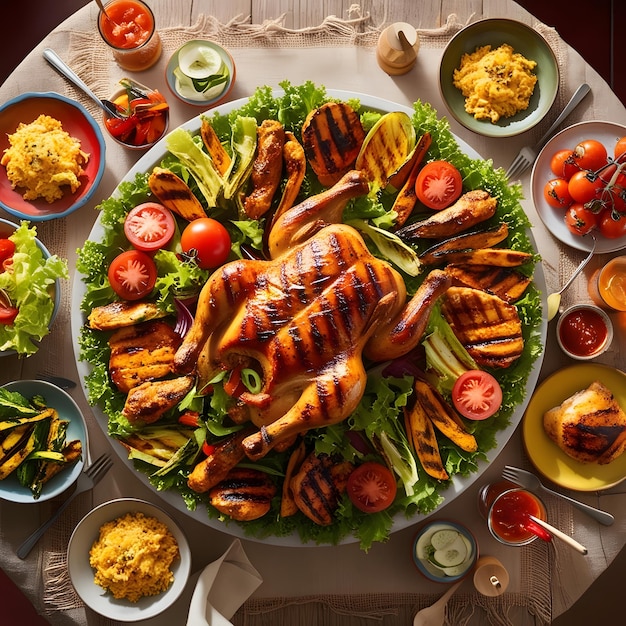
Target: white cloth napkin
[223,586]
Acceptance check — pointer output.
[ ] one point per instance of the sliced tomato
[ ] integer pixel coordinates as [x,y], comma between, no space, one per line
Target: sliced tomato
[7,250]
[207,448]
[206,240]
[7,314]
[476,395]
[190,418]
[149,226]
[132,274]
[371,487]
[438,185]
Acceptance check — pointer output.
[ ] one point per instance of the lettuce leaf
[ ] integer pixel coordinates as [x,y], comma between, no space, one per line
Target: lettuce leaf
[29,283]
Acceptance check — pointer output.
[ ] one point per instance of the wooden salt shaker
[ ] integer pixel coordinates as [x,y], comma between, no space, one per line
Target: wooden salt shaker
[490,576]
[397,48]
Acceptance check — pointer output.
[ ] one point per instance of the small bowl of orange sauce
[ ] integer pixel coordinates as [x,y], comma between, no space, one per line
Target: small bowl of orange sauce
[584,331]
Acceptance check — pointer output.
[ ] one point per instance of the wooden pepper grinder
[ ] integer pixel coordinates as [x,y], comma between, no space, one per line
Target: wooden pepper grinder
[397,48]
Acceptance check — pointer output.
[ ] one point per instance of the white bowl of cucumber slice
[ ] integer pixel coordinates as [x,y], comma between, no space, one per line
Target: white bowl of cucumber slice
[444,551]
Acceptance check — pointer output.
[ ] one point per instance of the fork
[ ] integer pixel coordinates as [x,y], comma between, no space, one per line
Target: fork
[530,481]
[86,481]
[527,154]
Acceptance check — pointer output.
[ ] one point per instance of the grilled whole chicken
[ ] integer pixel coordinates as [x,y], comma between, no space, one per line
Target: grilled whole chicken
[303,319]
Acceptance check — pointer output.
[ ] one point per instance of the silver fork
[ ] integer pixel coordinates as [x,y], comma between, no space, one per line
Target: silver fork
[527,155]
[87,480]
[530,481]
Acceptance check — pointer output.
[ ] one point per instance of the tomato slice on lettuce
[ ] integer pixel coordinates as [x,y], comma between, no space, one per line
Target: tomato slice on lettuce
[438,185]
[149,226]
[132,275]
[371,487]
[476,395]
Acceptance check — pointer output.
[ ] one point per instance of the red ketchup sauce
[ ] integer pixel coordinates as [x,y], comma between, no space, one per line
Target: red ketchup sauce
[583,332]
[509,515]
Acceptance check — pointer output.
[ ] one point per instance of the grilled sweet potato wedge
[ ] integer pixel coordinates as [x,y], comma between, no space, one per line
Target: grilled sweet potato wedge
[221,159]
[421,434]
[119,314]
[332,136]
[288,504]
[499,257]
[174,193]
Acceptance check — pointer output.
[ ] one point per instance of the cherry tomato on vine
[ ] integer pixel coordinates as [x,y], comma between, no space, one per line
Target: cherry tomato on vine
[563,164]
[438,185]
[371,487]
[149,226]
[590,154]
[610,227]
[620,147]
[207,240]
[132,274]
[476,395]
[584,186]
[556,193]
[580,220]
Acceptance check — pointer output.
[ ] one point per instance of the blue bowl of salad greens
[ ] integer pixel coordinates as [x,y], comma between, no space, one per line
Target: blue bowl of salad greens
[30,291]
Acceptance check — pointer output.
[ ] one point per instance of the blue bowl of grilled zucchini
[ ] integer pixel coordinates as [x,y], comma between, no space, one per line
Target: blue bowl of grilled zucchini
[43,439]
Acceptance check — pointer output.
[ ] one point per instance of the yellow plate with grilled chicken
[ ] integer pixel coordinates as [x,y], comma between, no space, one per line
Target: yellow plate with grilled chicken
[545,455]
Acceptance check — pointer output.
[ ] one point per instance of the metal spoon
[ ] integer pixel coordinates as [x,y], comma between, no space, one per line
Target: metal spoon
[554,299]
[55,60]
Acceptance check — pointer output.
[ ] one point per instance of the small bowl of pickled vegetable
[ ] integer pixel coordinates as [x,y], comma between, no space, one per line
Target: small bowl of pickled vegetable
[143,116]
[444,551]
[201,73]
[48,441]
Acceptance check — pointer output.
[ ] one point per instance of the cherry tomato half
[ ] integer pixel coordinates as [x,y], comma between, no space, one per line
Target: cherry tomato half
[579,219]
[7,250]
[556,193]
[476,395]
[149,226]
[438,185]
[610,227]
[207,240]
[7,314]
[132,274]
[590,154]
[371,487]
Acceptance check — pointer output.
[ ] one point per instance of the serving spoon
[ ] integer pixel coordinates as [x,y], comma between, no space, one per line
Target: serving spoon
[554,299]
[434,615]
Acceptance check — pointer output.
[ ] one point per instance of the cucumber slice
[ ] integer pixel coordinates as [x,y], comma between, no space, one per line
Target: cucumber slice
[452,554]
[442,538]
[457,570]
[197,60]
[186,88]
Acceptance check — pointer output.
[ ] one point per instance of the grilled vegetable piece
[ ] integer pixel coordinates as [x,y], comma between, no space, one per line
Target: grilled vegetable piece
[141,353]
[488,327]
[221,158]
[499,257]
[443,416]
[470,209]
[267,168]
[504,282]
[119,314]
[288,504]
[174,193]
[225,455]
[72,452]
[421,435]
[244,495]
[332,136]
[10,423]
[148,402]
[385,148]
[466,241]
[406,199]
[318,486]
[18,453]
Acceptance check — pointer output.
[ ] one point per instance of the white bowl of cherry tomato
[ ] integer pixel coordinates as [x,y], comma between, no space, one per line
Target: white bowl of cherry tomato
[578,185]
[144,116]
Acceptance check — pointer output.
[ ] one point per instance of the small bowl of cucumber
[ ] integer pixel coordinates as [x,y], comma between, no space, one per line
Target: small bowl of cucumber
[201,73]
[444,551]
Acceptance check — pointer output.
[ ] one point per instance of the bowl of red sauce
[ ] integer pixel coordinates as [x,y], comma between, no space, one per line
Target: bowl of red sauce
[584,331]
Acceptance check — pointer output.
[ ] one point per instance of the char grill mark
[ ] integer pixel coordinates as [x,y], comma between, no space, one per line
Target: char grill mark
[319,493]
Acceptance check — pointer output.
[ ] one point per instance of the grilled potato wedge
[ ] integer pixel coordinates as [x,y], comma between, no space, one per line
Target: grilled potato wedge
[499,257]
[422,436]
[332,136]
[119,314]
[221,159]
[174,193]
[466,241]
[443,417]
[245,494]
[288,506]
[505,282]
[488,327]
[470,209]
